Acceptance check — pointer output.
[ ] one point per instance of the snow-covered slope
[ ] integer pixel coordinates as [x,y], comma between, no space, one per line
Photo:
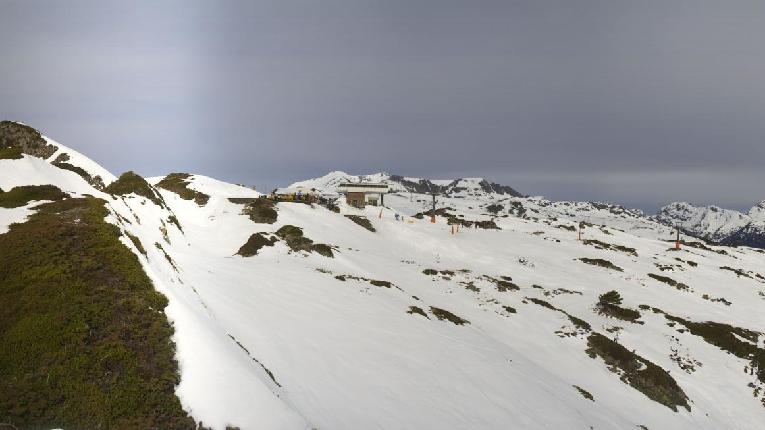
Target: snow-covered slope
[417,326]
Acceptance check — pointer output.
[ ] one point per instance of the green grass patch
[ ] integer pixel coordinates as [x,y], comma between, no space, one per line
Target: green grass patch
[418,311]
[726,337]
[254,244]
[10,153]
[130,182]
[21,196]
[503,285]
[586,394]
[610,247]
[608,305]
[261,211]
[638,372]
[601,263]
[443,314]
[669,281]
[178,183]
[137,243]
[296,241]
[86,343]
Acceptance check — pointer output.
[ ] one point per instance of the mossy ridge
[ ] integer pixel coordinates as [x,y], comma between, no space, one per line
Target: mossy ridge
[130,182]
[640,373]
[85,341]
[22,195]
[261,211]
[601,263]
[296,241]
[669,281]
[610,247]
[362,221]
[25,138]
[178,183]
[255,243]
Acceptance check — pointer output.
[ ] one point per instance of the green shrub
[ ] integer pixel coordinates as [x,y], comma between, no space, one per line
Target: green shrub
[669,281]
[261,211]
[178,183]
[254,244]
[610,247]
[295,240]
[608,305]
[610,298]
[20,196]
[362,221]
[136,242]
[728,338]
[586,394]
[85,342]
[376,283]
[601,263]
[443,314]
[417,310]
[639,373]
[130,182]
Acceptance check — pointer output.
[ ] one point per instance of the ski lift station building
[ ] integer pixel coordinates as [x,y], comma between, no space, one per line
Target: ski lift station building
[360,194]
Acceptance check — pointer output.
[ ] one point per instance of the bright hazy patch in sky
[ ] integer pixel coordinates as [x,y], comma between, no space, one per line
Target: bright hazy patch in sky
[634,102]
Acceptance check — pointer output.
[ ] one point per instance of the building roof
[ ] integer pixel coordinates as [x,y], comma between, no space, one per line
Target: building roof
[364,187]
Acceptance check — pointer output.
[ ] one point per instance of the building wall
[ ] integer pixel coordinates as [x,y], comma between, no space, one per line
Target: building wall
[355,199]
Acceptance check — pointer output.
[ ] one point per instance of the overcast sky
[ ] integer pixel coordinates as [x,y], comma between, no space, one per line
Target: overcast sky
[638,102]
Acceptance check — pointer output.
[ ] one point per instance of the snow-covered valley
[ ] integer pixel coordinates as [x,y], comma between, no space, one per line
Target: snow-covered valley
[413,325]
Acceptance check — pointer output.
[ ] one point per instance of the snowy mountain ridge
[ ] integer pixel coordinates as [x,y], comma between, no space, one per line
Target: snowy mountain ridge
[292,316]
[447,187]
[717,225]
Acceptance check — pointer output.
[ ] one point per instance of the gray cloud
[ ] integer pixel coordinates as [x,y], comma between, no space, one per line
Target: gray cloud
[634,102]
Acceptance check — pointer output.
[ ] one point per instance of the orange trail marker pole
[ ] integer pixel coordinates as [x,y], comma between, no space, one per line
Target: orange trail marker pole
[677,238]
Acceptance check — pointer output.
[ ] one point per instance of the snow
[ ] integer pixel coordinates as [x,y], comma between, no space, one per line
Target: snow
[347,355]
[10,216]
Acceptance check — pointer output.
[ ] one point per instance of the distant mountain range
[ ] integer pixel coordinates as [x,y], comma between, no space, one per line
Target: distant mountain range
[717,225]
[710,223]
